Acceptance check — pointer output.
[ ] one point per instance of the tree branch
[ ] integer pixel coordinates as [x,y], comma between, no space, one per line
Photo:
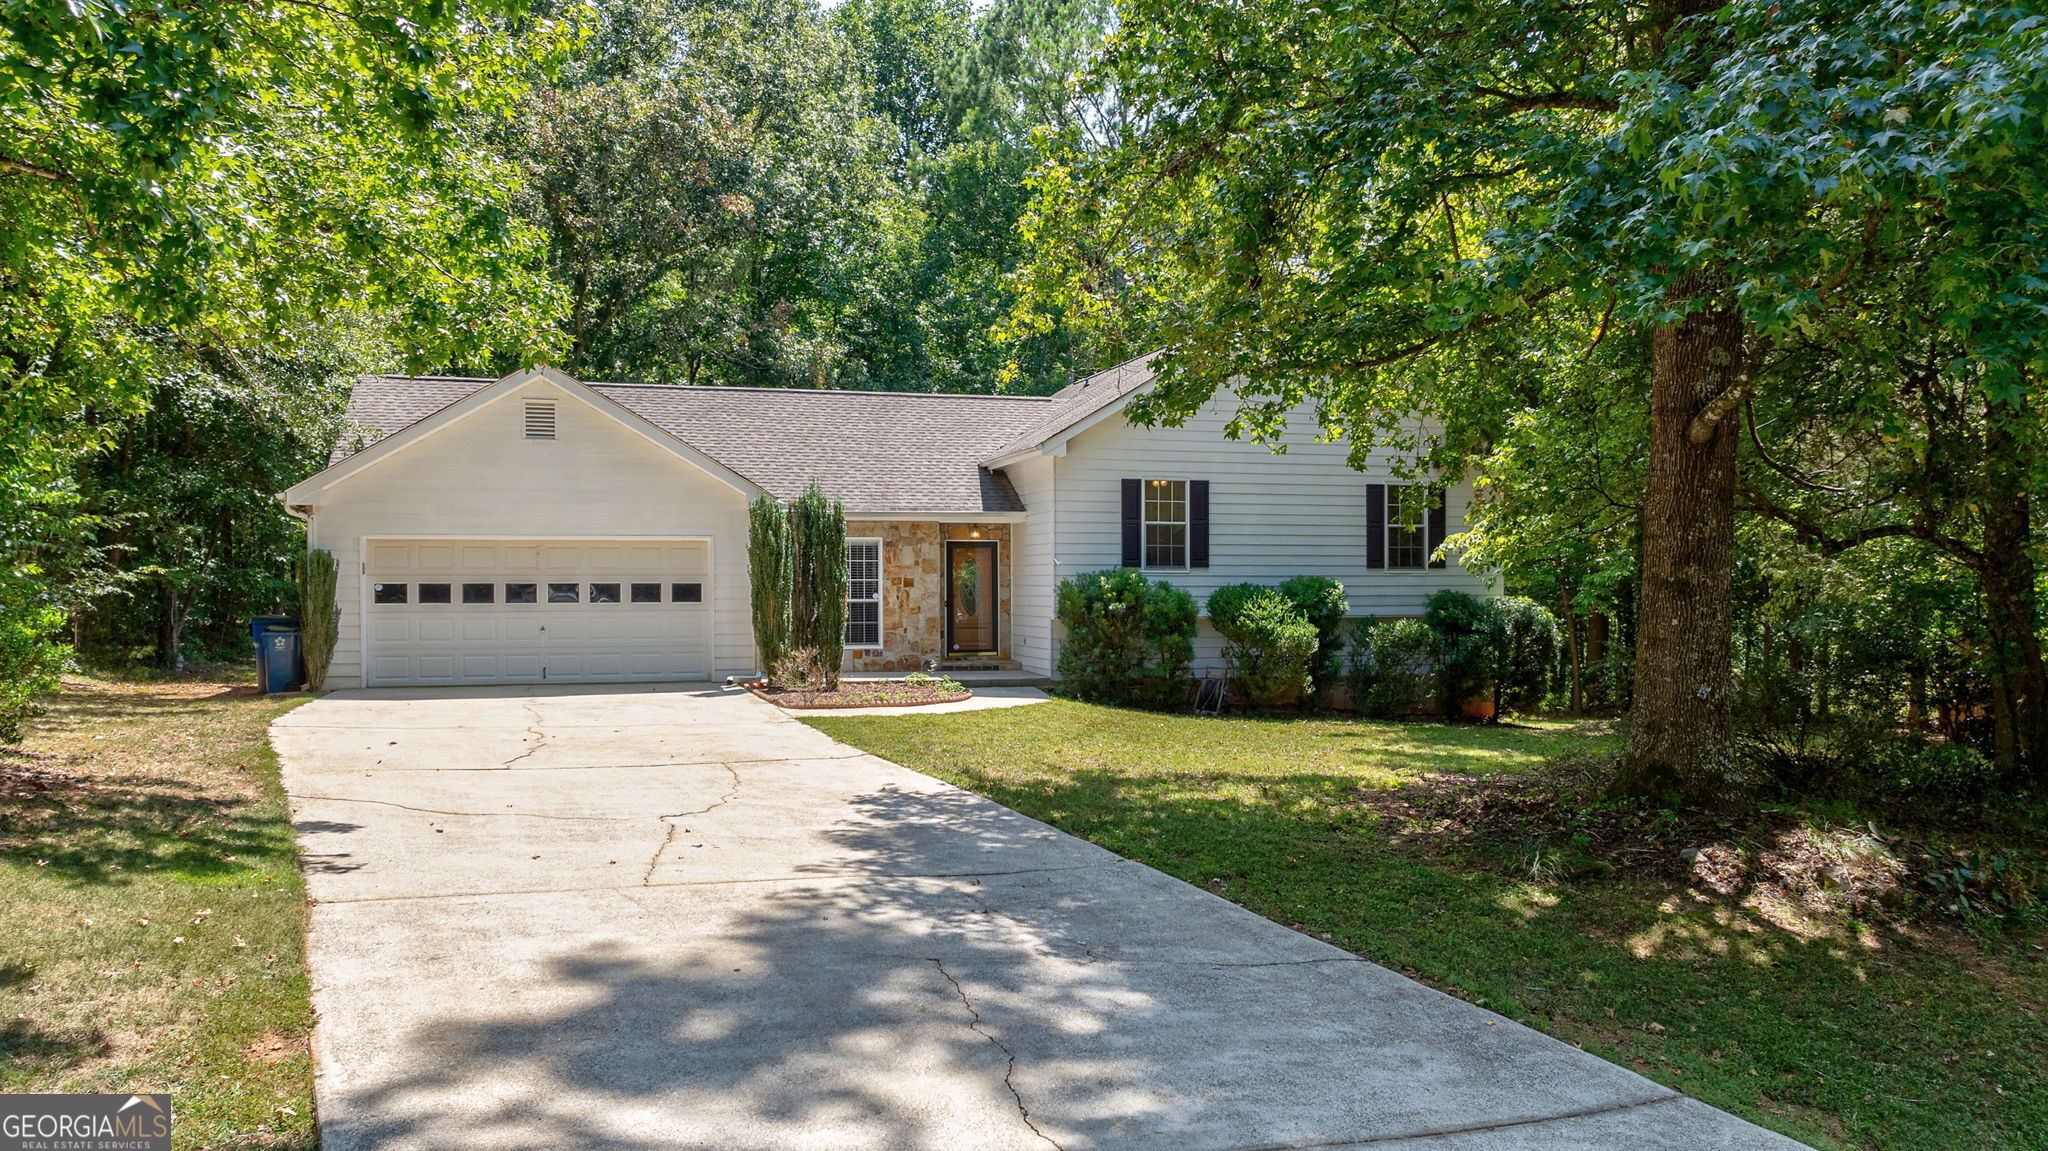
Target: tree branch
[1749,417]
[10,164]
[1703,425]
[1518,102]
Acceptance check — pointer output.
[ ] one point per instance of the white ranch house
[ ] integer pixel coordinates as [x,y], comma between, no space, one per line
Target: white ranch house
[540,529]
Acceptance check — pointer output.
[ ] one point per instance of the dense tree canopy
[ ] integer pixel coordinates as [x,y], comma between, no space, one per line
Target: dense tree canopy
[1393,208]
[199,184]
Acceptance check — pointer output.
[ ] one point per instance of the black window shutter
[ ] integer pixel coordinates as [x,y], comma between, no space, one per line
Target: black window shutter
[1134,523]
[1436,525]
[1375,525]
[1198,523]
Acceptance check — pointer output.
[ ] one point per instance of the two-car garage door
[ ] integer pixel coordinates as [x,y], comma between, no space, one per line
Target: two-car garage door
[548,611]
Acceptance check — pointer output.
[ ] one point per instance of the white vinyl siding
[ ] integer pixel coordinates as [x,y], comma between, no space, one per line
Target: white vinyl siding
[1271,516]
[596,481]
[1031,565]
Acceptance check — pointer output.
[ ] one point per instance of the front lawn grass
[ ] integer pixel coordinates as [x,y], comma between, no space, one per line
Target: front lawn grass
[151,911]
[1841,1034]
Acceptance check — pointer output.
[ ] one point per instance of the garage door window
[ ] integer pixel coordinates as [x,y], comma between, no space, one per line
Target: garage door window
[646,593]
[564,592]
[388,593]
[479,592]
[604,593]
[522,593]
[434,593]
[686,593]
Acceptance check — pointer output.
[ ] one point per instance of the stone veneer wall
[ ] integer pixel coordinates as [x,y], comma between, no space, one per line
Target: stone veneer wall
[914,590]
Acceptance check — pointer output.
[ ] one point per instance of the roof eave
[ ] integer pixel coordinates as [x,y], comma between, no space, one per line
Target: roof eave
[941,517]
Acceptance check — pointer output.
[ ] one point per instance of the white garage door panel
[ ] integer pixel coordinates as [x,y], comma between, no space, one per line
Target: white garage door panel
[501,642]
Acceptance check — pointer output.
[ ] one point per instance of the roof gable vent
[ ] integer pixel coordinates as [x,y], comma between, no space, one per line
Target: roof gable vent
[540,419]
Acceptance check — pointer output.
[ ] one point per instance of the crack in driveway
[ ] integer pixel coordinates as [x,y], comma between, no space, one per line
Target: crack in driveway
[668,839]
[974,1025]
[473,814]
[540,737]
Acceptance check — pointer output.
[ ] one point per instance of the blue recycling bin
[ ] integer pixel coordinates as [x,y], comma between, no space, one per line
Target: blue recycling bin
[277,652]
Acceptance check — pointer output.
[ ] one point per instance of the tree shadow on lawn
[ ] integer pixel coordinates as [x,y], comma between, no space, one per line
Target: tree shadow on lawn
[99,704]
[1893,1034]
[109,829]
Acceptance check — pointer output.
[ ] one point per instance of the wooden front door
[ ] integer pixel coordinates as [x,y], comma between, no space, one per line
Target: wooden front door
[971,597]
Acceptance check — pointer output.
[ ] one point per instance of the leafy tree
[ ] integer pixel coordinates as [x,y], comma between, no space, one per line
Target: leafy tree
[713,184]
[1364,207]
[185,186]
[187,538]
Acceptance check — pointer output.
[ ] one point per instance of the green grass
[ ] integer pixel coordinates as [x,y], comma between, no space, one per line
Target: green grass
[152,912]
[1841,1034]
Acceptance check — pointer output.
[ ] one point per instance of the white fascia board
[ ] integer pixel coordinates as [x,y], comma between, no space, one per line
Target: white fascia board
[1056,445]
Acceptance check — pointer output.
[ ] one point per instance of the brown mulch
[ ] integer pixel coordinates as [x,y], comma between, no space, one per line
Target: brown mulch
[883,693]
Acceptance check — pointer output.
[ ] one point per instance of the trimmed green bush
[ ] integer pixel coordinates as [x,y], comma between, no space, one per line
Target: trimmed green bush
[768,579]
[1528,647]
[319,615]
[1392,666]
[1321,602]
[1470,634]
[1271,646]
[1129,640]
[817,580]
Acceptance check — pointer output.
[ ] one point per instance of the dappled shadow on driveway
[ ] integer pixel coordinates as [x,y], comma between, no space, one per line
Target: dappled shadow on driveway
[954,977]
[865,1014]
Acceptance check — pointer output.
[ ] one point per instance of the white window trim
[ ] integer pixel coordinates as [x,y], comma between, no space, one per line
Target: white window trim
[1187,526]
[881,582]
[1387,529]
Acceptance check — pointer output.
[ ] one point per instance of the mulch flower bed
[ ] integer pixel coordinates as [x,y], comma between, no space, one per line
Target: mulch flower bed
[876,693]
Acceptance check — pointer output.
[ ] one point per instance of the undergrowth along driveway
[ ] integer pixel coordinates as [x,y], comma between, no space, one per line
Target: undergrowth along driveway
[152,911]
[1841,1033]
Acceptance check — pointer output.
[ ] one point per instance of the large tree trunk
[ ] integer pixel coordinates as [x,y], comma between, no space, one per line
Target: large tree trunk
[1680,731]
[2019,683]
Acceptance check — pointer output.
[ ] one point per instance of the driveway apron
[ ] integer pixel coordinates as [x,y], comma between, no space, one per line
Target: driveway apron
[670,917]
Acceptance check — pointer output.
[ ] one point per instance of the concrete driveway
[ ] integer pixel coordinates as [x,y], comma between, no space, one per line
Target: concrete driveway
[640,918]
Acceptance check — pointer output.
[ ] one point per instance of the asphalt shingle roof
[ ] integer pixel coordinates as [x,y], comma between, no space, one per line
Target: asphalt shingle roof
[1079,400]
[877,451]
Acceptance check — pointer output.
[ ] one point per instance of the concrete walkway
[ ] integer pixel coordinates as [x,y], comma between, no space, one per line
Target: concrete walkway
[632,918]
